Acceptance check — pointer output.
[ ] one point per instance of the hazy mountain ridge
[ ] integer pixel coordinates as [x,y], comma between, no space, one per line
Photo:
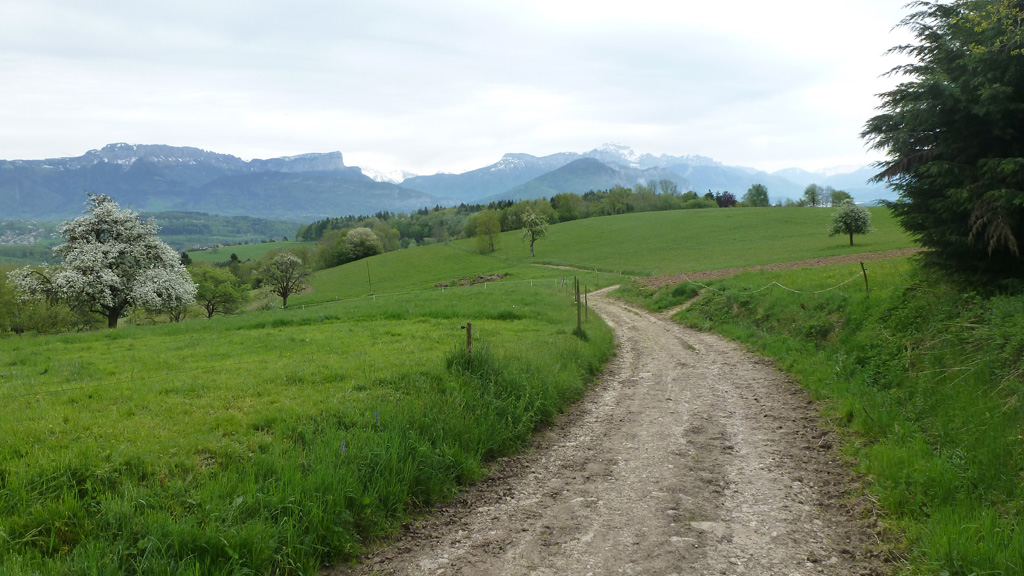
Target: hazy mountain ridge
[508,172]
[158,178]
[311,186]
[585,174]
[698,173]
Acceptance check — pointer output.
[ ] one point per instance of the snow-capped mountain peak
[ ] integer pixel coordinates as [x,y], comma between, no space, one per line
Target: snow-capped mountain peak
[392,176]
[622,150]
[616,154]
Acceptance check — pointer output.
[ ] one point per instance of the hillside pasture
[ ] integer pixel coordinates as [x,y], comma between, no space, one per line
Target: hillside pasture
[272,441]
[600,248]
[670,242]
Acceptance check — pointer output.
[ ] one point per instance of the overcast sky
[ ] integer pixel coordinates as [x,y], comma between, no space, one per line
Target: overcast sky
[448,85]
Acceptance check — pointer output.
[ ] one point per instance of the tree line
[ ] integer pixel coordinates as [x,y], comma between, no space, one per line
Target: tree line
[394,231]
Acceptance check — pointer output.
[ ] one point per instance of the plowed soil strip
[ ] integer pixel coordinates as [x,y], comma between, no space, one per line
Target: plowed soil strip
[689,456]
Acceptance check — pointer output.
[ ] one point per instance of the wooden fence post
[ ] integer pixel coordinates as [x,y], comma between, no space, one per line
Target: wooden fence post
[579,305]
[469,339]
[865,271]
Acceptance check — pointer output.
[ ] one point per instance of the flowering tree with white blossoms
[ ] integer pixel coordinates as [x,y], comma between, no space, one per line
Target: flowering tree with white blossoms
[112,261]
[848,218]
[285,275]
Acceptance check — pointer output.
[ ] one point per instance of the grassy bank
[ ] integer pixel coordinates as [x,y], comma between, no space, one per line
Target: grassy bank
[274,441]
[926,379]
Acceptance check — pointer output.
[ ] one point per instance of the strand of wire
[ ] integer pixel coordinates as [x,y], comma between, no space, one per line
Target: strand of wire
[775,283]
[207,367]
[504,282]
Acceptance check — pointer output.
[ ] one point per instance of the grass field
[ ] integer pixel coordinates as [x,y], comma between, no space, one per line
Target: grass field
[276,440]
[925,380]
[636,244]
[243,251]
[273,441]
[687,240]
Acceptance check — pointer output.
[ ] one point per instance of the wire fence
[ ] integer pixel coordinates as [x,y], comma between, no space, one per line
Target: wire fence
[559,283]
[774,283]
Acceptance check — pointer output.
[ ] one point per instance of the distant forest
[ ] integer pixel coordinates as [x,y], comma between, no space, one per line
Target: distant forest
[438,224]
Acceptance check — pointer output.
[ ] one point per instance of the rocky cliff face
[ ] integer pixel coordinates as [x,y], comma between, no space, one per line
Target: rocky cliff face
[329,162]
[160,177]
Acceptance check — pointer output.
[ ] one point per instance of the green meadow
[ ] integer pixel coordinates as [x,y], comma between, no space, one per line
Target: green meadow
[275,441]
[634,244]
[688,240]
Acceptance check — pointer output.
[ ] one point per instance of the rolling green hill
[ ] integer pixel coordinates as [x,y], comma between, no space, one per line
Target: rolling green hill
[636,244]
[276,440]
[183,230]
[688,240]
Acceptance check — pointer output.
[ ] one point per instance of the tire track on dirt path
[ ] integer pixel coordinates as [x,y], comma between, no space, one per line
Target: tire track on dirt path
[689,456]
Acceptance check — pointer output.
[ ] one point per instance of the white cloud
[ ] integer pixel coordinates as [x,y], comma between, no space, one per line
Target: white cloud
[447,85]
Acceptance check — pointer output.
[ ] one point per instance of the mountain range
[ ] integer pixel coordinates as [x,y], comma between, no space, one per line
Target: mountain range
[154,178]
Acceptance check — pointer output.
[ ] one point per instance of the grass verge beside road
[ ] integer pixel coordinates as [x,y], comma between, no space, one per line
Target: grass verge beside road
[925,377]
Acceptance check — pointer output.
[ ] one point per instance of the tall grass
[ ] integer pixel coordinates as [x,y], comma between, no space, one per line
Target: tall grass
[927,380]
[270,442]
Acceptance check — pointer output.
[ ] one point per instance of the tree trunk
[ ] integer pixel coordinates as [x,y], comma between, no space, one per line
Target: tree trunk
[851,238]
[531,248]
[112,316]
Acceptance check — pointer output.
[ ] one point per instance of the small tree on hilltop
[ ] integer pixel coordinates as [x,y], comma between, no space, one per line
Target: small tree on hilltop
[725,199]
[361,243]
[848,218]
[111,262]
[840,196]
[218,290]
[813,195]
[487,231]
[757,195]
[534,228]
[285,275]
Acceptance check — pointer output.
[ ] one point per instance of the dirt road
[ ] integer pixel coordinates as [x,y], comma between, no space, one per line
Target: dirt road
[688,457]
